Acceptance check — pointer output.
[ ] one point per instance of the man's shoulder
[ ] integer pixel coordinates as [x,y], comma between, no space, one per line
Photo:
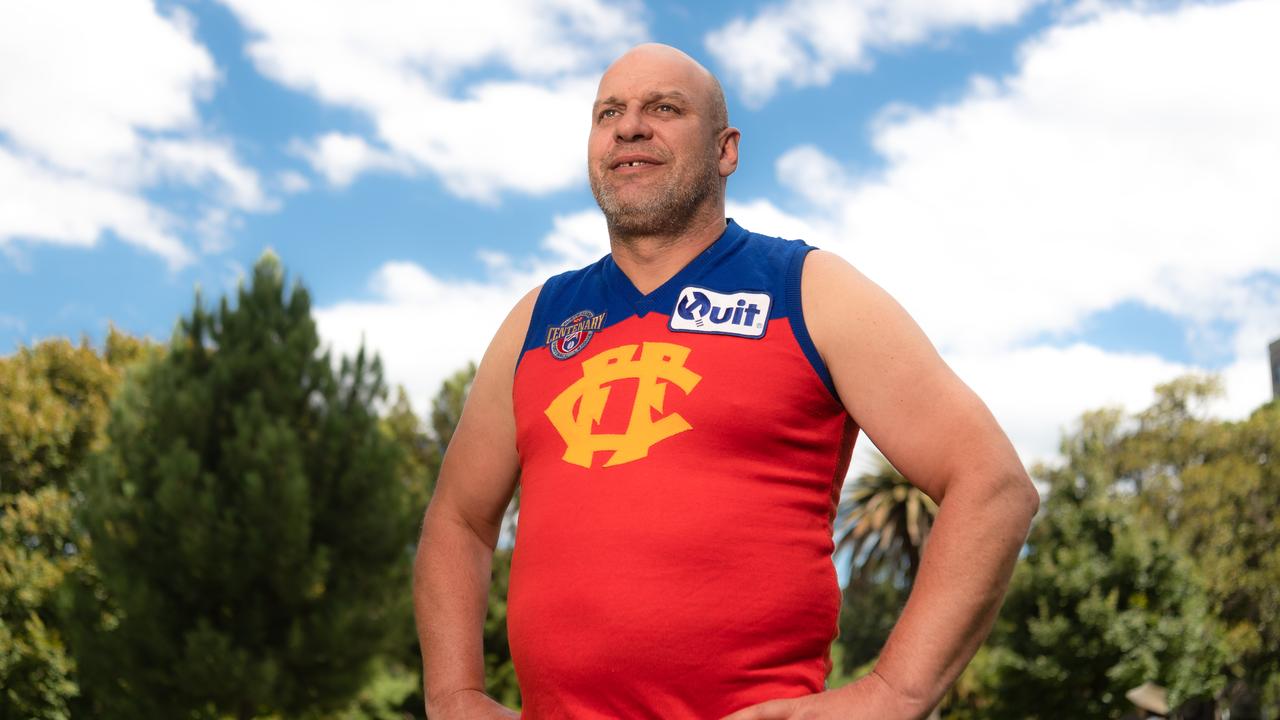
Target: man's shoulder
[573,275]
[760,258]
[757,243]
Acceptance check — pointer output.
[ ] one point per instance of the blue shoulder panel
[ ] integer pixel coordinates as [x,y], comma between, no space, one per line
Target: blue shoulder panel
[568,295]
[774,265]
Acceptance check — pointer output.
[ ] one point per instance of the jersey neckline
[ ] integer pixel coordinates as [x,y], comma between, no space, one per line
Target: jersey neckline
[642,302]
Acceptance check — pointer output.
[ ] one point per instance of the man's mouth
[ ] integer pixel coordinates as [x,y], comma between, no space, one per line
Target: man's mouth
[633,162]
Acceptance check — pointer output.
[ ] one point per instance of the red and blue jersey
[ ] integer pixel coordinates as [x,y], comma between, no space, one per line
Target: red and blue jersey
[681,454]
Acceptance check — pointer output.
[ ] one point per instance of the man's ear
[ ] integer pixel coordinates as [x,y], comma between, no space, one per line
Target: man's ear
[728,143]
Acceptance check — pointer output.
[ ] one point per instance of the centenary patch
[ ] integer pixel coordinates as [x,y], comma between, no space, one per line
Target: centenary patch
[569,337]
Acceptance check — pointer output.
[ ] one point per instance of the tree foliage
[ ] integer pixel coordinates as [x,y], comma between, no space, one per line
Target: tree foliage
[868,612]
[1156,558]
[1100,605]
[1217,485]
[207,423]
[247,521]
[500,674]
[883,523]
[881,527]
[36,672]
[432,441]
[53,405]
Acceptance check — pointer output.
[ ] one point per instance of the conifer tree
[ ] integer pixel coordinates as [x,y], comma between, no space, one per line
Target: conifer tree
[247,521]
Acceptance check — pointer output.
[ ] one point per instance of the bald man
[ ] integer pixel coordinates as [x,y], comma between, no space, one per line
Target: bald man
[680,416]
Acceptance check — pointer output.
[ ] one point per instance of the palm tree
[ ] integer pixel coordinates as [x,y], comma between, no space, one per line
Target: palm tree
[883,521]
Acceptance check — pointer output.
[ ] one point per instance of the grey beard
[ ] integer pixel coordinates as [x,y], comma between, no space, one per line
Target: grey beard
[669,212]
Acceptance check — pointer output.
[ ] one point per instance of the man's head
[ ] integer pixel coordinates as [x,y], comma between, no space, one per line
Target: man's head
[660,147]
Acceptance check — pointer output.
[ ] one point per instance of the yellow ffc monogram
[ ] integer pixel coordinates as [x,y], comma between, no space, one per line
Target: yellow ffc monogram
[658,363]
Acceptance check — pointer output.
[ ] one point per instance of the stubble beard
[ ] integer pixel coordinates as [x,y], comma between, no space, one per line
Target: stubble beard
[668,210]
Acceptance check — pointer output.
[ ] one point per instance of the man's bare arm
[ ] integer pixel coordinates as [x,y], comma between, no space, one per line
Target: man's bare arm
[944,440]
[460,530]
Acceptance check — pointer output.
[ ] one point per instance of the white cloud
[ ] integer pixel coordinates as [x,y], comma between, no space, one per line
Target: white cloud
[1086,179]
[763,216]
[1037,392]
[13,323]
[291,181]
[61,208]
[77,96]
[196,162]
[452,321]
[409,66]
[98,103]
[1248,377]
[806,42]
[1130,158]
[340,157]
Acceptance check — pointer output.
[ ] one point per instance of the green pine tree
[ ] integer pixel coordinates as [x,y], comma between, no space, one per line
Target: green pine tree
[247,521]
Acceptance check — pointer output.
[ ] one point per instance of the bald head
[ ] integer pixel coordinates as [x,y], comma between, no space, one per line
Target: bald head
[658,61]
[660,149]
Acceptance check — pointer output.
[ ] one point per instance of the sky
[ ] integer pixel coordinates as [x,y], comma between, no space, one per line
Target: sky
[1076,200]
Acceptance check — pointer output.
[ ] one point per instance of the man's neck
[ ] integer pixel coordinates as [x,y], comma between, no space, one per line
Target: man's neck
[650,260]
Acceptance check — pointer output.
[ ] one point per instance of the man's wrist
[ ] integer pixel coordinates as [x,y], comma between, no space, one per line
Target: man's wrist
[877,693]
[441,704]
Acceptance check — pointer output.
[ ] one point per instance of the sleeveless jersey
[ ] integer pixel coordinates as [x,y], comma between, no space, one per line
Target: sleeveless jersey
[681,454]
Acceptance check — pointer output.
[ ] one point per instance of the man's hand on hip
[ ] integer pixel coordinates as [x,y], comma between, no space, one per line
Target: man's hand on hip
[869,698]
[469,704]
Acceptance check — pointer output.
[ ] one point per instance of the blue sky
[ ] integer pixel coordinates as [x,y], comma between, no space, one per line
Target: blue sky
[1076,200]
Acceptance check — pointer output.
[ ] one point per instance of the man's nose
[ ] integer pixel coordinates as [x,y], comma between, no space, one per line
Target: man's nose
[633,126]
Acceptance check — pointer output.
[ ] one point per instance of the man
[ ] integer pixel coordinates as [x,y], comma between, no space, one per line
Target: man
[680,415]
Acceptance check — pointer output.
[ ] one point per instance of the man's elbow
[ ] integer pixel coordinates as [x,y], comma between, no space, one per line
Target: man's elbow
[1023,495]
[1007,487]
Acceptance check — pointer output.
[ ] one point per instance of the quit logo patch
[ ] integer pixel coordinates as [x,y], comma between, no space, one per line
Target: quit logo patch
[706,311]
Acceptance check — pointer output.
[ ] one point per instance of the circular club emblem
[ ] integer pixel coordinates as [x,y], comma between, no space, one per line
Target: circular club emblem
[573,334]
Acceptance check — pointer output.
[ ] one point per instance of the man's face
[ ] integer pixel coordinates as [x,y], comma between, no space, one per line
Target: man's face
[653,155]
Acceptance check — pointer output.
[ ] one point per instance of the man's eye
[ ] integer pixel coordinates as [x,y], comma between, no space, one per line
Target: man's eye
[666,108]
[608,113]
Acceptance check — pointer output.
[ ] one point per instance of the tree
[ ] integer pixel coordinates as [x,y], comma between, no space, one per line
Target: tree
[37,678]
[1104,601]
[500,675]
[881,526]
[53,405]
[884,523]
[500,671]
[419,456]
[868,612]
[1217,485]
[446,411]
[1213,484]
[430,444]
[246,519]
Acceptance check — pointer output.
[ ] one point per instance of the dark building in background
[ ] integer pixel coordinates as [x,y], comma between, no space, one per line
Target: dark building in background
[1275,368]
